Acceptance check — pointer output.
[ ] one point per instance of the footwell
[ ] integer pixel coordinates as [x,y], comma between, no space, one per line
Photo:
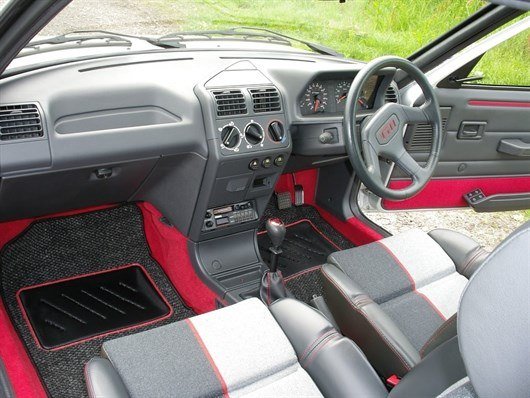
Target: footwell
[69,248]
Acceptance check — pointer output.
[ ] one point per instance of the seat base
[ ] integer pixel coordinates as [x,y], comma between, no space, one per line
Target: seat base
[393,298]
[245,350]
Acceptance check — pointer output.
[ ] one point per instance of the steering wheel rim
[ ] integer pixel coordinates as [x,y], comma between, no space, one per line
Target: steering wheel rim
[381,135]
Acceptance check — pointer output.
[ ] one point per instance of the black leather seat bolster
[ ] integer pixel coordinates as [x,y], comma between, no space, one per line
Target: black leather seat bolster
[103,381]
[445,332]
[337,366]
[358,317]
[466,253]
[440,369]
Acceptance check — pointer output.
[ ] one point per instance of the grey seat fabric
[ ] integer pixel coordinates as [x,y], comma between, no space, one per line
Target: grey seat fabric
[245,350]
[397,298]
[291,350]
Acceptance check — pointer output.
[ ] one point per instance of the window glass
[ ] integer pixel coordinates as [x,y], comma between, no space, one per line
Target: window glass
[359,29]
[507,64]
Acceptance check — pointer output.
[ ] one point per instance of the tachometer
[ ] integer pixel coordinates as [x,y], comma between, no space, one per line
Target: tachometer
[315,99]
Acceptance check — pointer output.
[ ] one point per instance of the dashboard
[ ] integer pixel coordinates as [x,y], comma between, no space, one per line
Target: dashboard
[202,135]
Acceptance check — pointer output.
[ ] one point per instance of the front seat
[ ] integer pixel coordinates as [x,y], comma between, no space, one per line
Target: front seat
[245,350]
[291,350]
[397,298]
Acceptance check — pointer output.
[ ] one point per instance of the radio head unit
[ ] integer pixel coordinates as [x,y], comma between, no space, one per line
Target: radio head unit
[228,215]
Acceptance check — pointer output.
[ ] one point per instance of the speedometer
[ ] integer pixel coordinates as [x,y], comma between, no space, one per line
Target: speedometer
[315,99]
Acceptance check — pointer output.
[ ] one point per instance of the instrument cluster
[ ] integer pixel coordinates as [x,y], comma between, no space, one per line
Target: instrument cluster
[329,96]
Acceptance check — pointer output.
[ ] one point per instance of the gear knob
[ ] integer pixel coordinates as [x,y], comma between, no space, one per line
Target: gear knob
[276,231]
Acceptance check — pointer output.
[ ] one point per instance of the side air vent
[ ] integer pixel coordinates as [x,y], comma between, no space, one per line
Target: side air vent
[20,121]
[265,100]
[391,94]
[420,140]
[230,102]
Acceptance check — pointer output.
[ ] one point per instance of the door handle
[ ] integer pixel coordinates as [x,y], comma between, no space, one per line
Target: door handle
[471,130]
[514,147]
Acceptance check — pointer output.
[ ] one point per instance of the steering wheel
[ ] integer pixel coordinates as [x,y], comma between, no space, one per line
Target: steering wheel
[381,135]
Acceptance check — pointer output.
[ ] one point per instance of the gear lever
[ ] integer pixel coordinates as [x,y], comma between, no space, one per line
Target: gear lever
[276,231]
[272,283]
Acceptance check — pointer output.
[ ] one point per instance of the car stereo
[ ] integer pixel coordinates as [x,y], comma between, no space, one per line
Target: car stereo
[228,215]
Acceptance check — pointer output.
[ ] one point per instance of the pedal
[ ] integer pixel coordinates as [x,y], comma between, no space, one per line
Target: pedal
[284,200]
[298,195]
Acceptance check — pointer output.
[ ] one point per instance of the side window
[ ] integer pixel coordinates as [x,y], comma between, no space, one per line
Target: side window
[507,64]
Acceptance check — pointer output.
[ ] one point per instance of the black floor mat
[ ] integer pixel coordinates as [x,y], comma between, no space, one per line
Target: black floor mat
[59,248]
[305,285]
[72,310]
[315,240]
[304,247]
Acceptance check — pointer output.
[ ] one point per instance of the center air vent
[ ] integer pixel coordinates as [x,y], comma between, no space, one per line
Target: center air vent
[265,100]
[230,102]
[20,121]
[391,94]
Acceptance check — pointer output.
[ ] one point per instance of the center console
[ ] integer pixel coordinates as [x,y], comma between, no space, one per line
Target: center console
[249,144]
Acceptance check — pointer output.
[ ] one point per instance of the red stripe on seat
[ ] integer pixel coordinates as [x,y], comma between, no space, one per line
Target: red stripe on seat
[411,279]
[209,357]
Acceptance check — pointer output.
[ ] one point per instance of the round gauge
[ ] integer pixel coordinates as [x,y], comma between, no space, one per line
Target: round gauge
[315,98]
[341,91]
[367,92]
[363,102]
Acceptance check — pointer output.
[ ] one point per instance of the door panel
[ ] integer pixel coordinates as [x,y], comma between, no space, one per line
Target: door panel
[449,192]
[471,161]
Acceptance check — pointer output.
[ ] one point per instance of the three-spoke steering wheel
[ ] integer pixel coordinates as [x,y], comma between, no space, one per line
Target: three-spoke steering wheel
[381,135]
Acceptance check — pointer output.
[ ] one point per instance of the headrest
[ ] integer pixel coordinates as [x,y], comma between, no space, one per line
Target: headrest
[494,320]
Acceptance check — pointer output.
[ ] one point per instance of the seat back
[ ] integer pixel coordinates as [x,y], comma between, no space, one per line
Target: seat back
[494,320]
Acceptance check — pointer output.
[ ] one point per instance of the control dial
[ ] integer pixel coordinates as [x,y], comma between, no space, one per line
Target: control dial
[253,133]
[230,136]
[276,131]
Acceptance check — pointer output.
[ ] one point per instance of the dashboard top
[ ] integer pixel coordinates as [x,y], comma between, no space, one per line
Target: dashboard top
[163,87]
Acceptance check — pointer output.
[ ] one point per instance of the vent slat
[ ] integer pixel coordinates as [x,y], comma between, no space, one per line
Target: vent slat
[265,100]
[421,139]
[20,121]
[391,94]
[230,102]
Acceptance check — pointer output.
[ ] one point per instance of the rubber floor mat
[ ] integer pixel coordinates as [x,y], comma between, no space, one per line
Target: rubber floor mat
[75,309]
[57,249]
[304,247]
